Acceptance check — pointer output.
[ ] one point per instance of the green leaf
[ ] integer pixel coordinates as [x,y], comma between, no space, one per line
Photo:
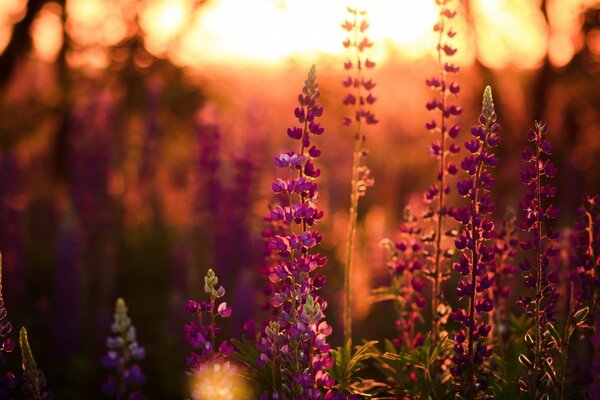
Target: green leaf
[579,316]
[553,332]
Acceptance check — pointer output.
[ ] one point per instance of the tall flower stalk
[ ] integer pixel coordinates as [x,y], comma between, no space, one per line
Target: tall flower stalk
[477,254]
[8,379]
[123,352]
[360,99]
[442,126]
[540,376]
[294,344]
[34,382]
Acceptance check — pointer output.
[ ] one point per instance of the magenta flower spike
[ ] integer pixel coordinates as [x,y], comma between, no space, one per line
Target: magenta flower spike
[477,254]
[294,343]
[406,263]
[537,211]
[445,90]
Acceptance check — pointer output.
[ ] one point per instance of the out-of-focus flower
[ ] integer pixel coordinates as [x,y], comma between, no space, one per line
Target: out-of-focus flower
[122,356]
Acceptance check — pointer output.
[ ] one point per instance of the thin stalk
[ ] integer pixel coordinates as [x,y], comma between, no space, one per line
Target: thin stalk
[440,220]
[590,231]
[474,261]
[564,353]
[538,284]
[354,195]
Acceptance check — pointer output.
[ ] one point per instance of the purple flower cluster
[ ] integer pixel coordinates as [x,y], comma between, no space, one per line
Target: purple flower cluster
[408,282]
[445,89]
[294,344]
[477,253]
[122,356]
[202,333]
[506,252]
[8,380]
[541,241]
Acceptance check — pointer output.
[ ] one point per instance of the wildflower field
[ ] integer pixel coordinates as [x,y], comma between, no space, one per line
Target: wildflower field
[303,200]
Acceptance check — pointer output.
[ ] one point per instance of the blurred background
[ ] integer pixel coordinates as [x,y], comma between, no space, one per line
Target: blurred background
[136,139]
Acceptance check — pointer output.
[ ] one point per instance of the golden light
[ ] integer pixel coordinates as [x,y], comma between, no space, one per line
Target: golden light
[11,12]
[270,31]
[47,33]
[566,39]
[219,381]
[162,21]
[510,32]
[98,22]
[506,32]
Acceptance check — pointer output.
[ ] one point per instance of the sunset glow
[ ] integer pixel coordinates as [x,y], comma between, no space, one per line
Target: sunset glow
[509,32]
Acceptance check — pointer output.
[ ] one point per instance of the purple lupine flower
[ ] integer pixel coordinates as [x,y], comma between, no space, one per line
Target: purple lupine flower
[294,343]
[8,380]
[537,213]
[408,281]
[504,266]
[125,380]
[202,333]
[445,89]
[34,381]
[360,99]
[477,255]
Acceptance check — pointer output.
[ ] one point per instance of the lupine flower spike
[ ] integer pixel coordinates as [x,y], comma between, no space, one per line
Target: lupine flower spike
[294,345]
[505,267]
[34,382]
[122,356]
[408,283]
[209,365]
[476,254]
[540,376]
[445,89]
[360,99]
[7,378]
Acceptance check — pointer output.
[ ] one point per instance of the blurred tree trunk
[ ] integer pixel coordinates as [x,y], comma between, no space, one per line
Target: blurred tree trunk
[20,41]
